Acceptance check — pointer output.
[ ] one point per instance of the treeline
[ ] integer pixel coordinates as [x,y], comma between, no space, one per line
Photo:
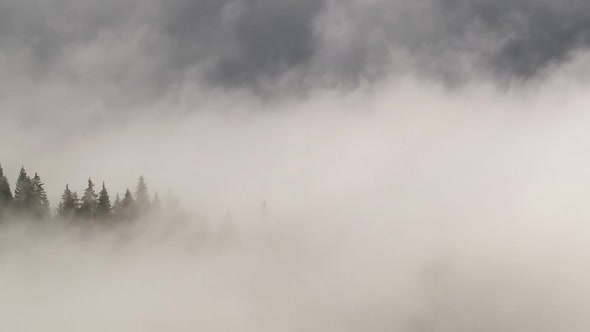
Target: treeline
[29,200]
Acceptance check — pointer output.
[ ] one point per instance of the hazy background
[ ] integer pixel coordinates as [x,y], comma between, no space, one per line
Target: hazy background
[430,154]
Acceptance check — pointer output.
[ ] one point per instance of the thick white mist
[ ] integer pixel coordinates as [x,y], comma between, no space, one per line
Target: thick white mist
[403,206]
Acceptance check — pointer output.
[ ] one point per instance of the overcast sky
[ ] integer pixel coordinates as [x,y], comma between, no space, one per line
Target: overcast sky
[140,48]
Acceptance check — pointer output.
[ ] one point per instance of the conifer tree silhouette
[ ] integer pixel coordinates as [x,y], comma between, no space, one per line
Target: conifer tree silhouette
[89,202]
[67,207]
[142,197]
[24,193]
[104,207]
[41,205]
[6,198]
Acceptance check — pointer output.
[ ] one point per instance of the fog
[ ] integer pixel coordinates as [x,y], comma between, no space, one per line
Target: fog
[415,176]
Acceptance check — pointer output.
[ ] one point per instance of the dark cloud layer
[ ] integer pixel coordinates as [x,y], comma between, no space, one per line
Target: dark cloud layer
[150,45]
[535,33]
[244,39]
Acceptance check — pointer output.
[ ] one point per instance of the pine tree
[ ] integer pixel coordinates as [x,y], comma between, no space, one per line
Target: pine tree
[41,204]
[89,202]
[127,200]
[142,197]
[128,206]
[67,207]
[6,198]
[76,200]
[117,207]
[24,193]
[103,209]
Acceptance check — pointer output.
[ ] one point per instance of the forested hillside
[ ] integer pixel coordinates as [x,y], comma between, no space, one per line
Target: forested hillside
[92,204]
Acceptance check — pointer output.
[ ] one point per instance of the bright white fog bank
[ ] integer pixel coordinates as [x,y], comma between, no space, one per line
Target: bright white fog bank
[399,206]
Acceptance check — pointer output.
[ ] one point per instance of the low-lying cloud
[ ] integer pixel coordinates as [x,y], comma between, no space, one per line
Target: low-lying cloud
[395,200]
[405,206]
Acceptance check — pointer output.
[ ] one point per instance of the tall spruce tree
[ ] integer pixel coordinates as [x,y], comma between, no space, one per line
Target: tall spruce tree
[41,203]
[77,203]
[103,209]
[24,193]
[6,197]
[117,207]
[89,202]
[127,200]
[128,206]
[142,197]
[67,206]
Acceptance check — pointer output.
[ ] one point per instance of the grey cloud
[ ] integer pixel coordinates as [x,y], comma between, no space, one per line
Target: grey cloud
[451,38]
[151,45]
[536,33]
[244,39]
[42,31]
[265,39]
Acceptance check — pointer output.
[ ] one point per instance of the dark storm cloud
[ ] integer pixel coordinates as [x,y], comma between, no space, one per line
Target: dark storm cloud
[536,33]
[153,44]
[451,38]
[244,39]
